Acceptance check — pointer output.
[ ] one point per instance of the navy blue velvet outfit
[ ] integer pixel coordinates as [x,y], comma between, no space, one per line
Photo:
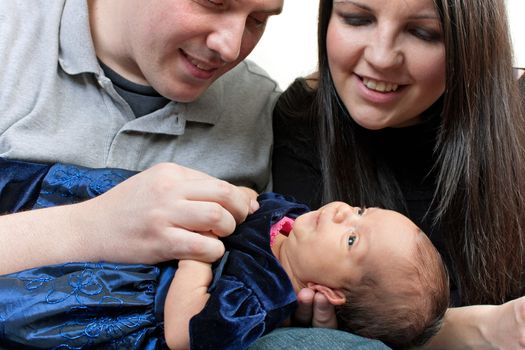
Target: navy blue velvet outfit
[103,305]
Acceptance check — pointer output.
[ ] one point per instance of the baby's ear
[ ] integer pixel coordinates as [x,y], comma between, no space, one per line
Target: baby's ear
[334,296]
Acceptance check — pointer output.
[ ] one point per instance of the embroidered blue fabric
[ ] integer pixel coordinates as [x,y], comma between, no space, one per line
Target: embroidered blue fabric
[99,305]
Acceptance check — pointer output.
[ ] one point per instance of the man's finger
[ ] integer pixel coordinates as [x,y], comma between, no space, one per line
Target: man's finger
[190,245]
[199,216]
[252,196]
[238,201]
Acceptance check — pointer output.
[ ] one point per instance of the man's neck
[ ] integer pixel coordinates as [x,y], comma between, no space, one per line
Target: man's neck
[107,25]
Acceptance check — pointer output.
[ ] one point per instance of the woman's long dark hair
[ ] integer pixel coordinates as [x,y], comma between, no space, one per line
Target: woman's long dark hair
[479,200]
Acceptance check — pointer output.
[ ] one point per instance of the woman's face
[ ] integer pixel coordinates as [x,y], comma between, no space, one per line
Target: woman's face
[387,59]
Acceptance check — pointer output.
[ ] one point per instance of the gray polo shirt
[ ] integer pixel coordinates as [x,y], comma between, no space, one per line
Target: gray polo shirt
[56,105]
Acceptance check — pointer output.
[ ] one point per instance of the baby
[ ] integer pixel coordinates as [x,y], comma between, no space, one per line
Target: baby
[382,273]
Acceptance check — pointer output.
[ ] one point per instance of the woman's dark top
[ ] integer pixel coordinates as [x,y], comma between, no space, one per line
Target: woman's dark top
[407,151]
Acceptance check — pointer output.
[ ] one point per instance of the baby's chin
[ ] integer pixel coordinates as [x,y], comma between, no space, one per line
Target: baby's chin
[306,221]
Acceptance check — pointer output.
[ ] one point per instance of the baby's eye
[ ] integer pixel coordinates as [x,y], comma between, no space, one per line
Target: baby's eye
[351,240]
[360,211]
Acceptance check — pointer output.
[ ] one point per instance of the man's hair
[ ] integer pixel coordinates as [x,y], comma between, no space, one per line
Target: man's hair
[402,313]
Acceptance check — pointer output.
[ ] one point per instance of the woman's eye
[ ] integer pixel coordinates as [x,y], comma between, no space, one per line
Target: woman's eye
[426,35]
[356,20]
[351,240]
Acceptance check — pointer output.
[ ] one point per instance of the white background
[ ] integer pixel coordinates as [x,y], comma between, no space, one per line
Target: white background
[288,48]
[516,14]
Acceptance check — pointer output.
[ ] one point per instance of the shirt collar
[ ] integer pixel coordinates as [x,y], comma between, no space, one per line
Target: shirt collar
[77,55]
[77,52]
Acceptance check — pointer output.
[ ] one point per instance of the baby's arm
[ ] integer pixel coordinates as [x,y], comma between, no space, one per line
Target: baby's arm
[187,296]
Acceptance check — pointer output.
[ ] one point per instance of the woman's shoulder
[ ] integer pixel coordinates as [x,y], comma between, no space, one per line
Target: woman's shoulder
[295,108]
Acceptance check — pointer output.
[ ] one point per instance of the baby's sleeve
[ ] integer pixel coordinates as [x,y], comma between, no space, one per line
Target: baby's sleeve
[247,300]
[232,319]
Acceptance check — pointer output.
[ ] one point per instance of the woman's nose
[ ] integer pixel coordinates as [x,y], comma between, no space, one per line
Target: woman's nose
[382,52]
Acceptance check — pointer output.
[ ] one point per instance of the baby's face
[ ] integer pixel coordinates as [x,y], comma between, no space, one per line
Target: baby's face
[337,244]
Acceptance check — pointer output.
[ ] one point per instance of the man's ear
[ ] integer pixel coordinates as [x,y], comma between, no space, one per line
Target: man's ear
[334,296]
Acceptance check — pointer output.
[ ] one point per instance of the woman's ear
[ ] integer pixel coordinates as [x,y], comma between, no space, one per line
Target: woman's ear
[334,296]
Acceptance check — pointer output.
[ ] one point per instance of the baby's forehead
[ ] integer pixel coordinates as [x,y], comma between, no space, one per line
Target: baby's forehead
[401,254]
[401,272]
[414,262]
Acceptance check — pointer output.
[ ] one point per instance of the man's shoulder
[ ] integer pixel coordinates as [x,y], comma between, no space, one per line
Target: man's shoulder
[247,86]
[248,74]
[21,22]
[27,12]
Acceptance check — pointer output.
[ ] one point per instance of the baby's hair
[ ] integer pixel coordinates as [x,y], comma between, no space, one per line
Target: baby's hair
[403,313]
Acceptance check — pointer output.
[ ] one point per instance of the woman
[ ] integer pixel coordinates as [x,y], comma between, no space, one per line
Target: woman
[415,108]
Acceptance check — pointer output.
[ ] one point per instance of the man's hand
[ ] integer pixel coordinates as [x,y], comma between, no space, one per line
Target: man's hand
[156,215]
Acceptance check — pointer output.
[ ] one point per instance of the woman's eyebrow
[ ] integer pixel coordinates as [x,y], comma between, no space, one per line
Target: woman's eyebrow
[355,3]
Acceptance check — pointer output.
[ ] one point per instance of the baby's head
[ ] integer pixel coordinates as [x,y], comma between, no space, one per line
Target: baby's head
[401,300]
[381,272]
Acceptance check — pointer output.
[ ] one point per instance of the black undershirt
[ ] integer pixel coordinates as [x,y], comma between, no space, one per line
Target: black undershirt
[142,99]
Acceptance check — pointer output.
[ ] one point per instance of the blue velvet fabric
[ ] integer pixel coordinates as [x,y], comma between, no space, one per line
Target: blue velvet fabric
[120,306]
[253,295]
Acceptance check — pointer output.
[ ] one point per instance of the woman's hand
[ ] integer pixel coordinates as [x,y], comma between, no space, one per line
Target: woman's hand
[504,325]
[314,310]
[483,327]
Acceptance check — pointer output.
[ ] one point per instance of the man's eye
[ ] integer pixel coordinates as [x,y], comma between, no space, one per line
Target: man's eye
[214,4]
[351,240]
[259,21]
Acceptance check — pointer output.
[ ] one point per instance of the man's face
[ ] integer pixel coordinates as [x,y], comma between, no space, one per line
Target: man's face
[180,47]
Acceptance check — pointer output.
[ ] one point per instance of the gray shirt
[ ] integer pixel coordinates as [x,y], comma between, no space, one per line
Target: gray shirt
[56,105]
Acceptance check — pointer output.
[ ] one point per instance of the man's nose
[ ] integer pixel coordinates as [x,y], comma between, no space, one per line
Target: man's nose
[227,37]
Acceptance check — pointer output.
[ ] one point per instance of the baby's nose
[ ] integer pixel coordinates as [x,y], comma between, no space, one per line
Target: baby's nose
[343,212]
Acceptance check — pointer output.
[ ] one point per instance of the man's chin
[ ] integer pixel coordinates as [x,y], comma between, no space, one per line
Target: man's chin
[185,95]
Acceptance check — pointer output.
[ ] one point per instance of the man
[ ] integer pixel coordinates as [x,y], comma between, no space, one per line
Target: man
[131,84]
